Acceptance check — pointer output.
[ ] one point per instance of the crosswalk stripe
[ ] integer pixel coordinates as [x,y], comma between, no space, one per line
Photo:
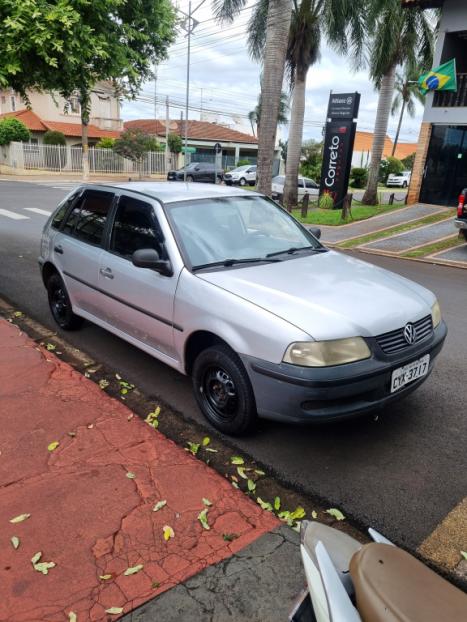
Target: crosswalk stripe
[12,215]
[37,210]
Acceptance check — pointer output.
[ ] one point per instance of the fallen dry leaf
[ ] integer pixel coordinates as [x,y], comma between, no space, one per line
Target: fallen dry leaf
[20,518]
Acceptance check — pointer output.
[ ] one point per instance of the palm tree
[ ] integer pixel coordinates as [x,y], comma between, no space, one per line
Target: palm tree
[342,22]
[254,116]
[278,14]
[407,92]
[398,36]
[302,52]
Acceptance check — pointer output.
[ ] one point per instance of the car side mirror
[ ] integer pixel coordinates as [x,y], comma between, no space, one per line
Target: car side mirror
[149,258]
[316,231]
[196,168]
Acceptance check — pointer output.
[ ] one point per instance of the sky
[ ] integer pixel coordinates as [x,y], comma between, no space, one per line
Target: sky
[225,82]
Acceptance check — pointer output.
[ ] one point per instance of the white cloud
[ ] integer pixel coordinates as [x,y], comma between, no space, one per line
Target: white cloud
[224,78]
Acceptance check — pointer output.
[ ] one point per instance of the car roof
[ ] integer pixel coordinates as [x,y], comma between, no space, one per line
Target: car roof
[173,191]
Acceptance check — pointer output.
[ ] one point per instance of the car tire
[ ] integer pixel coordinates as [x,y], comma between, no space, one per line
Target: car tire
[190,178]
[242,181]
[60,304]
[404,185]
[223,390]
[219,179]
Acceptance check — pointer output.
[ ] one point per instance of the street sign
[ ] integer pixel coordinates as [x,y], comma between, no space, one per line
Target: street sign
[218,148]
[337,157]
[343,106]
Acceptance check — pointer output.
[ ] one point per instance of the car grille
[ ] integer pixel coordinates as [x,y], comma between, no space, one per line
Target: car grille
[227,176]
[395,341]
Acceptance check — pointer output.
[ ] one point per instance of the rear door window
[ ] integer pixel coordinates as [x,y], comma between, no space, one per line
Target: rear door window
[135,227]
[88,217]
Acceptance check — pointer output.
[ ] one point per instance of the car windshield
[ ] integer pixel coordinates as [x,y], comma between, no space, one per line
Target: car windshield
[229,229]
[189,166]
[240,168]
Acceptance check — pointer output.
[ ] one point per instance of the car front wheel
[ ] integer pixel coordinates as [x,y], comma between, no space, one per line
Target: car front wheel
[242,181]
[60,305]
[190,178]
[223,390]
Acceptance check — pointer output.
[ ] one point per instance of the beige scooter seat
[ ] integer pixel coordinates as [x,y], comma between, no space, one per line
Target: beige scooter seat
[392,586]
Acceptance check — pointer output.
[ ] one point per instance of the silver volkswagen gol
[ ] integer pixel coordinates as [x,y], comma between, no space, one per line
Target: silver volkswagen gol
[224,285]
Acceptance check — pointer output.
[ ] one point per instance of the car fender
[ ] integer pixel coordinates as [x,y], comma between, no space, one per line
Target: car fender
[247,328]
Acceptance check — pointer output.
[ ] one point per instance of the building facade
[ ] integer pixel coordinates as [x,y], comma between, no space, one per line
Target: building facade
[440,169]
[53,112]
[361,155]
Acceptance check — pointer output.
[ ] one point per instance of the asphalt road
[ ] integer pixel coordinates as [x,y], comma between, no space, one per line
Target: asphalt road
[401,473]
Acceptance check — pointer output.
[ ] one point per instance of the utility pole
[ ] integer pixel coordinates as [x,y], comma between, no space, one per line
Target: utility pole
[187,99]
[155,92]
[167,121]
[189,26]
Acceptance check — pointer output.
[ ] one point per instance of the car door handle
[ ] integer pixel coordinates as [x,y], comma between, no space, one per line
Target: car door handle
[107,272]
[58,249]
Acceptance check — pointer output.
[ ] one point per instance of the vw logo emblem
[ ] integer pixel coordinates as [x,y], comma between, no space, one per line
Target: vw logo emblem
[410,333]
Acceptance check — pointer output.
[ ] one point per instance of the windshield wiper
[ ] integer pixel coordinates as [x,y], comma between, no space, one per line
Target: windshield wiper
[226,263]
[296,249]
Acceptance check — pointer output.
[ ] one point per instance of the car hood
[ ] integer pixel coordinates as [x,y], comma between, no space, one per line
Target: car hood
[328,295]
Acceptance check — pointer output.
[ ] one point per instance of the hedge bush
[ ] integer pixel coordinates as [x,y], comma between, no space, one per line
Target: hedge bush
[13,130]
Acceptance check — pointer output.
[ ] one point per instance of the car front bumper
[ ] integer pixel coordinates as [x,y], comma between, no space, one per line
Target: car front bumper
[461,223]
[299,394]
[395,184]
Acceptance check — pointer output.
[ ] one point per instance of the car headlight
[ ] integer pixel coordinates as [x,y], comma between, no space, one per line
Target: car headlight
[436,314]
[326,353]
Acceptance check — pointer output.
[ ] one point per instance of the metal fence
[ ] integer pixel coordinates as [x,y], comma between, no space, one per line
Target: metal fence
[59,158]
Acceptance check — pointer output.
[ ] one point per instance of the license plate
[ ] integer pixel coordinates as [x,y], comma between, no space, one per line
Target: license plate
[403,375]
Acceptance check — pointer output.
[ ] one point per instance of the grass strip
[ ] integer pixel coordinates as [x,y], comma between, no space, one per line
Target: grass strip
[333,217]
[434,247]
[377,235]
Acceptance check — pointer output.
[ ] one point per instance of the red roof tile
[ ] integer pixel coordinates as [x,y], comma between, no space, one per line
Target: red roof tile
[36,124]
[74,129]
[28,117]
[197,130]
[364,142]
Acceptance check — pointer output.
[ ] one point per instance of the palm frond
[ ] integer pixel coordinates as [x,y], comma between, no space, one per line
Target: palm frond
[227,10]
[256,29]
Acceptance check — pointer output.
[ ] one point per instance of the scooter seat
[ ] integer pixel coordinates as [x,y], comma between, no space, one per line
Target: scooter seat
[392,586]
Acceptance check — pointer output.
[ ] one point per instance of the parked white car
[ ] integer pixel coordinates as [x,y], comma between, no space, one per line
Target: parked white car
[305,186]
[401,180]
[242,175]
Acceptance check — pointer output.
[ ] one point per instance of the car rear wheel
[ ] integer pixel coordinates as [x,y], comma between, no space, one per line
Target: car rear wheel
[223,390]
[60,305]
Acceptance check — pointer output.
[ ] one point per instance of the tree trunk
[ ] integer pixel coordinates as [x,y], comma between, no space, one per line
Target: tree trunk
[383,112]
[396,140]
[294,145]
[85,105]
[277,34]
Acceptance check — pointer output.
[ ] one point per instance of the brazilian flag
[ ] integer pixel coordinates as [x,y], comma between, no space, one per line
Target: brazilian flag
[442,78]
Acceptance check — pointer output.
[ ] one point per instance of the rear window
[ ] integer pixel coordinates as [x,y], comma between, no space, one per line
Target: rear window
[88,217]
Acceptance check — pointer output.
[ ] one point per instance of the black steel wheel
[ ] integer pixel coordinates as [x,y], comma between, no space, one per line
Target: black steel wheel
[223,390]
[60,305]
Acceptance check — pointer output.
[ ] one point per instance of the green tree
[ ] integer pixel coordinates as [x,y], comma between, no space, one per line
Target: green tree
[312,159]
[175,143]
[407,93]
[105,143]
[408,162]
[67,46]
[358,177]
[133,144]
[53,137]
[13,130]
[396,36]
[283,148]
[274,19]
[254,116]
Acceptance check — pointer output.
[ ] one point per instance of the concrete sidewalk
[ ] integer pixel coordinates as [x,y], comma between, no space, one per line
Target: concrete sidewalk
[100,513]
[401,216]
